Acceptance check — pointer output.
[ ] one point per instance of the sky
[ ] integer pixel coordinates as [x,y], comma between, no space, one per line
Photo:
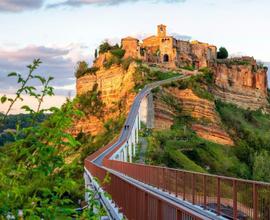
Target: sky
[62,32]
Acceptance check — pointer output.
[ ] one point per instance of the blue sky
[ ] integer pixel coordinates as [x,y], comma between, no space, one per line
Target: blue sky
[61,32]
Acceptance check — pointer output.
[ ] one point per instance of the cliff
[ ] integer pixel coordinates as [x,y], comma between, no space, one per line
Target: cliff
[116,87]
[243,84]
[207,123]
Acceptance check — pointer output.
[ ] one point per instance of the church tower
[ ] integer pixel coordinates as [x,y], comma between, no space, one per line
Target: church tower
[161,32]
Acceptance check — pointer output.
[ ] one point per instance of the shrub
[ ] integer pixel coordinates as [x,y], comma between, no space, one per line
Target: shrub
[111,61]
[190,68]
[81,69]
[126,63]
[222,53]
[104,47]
[92,70]
[91,103]
[118,52]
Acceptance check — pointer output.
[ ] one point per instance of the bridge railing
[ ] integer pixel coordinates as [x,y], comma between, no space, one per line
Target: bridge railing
[137,203]
[230,197]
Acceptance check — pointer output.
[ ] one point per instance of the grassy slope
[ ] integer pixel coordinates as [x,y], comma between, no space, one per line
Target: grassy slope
[180,147]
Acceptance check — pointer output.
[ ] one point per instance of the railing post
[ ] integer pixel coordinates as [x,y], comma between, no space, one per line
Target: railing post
[204,191]
[163,181]
[145,206]
[184,186]
[234,200]
[255,202]
[218,196]
[159,210]
[193,188]
[176,184]
[178,215]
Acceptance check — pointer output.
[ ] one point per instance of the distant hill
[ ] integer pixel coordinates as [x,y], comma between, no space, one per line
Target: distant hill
[12,121]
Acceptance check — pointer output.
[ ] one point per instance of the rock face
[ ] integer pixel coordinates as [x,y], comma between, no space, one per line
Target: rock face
[116,87]
[243,85]
[208,126]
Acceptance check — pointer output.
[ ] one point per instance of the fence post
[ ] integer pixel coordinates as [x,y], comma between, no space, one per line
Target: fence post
[218,196]
[204,191]
[193,188]
[184,186]
[176,184]
[234,199]
[255,202]
[145,206]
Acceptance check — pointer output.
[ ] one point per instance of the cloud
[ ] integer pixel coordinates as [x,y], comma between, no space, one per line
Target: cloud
[19,5]
[78,3]
[58,62]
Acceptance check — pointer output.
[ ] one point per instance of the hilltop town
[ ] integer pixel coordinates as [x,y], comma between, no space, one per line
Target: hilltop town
[170,51]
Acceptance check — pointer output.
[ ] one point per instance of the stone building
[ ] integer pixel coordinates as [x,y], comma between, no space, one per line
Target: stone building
[169,51]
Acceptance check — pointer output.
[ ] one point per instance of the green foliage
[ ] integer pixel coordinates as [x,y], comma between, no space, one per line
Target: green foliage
[199,84]
[13,122]
[250,130]
[118,52]
[91,102]
[180,147]
[261,168]
[126,63]
[222,53]
[190,68]
[104,47]
[34,173]
[144,75]
[83,69]
[96,53]
[112,60]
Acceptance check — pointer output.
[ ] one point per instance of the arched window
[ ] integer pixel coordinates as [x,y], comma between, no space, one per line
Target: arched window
[166,58]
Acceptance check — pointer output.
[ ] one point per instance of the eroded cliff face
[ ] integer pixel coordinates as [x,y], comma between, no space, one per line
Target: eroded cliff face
[207,125]
[243,85]
[116,87]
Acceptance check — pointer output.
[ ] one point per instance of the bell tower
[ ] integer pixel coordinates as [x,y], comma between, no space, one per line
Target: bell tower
[161,30]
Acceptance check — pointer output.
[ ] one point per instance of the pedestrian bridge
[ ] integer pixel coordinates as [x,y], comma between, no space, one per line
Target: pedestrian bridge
[144,192]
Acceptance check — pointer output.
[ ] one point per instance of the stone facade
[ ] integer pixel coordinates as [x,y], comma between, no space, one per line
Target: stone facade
[169,51]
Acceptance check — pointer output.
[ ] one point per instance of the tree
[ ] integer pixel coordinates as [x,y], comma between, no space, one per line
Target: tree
[34,174]
[261,167]
[96,53]
[222,53]
[81,69]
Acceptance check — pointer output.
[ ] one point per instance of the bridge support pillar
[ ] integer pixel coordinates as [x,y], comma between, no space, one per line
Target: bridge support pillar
[87,183]
[130,151]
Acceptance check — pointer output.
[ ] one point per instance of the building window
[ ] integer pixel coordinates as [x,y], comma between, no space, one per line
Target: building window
[166,58]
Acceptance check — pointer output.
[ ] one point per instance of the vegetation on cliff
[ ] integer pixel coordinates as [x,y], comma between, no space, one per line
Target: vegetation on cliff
[180,147]
[222,53]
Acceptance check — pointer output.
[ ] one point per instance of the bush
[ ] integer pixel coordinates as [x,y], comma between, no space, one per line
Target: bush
[91,103]
[104,47]
[92,70]
[81,69]
[126,63]
[118,52]
[222,53]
